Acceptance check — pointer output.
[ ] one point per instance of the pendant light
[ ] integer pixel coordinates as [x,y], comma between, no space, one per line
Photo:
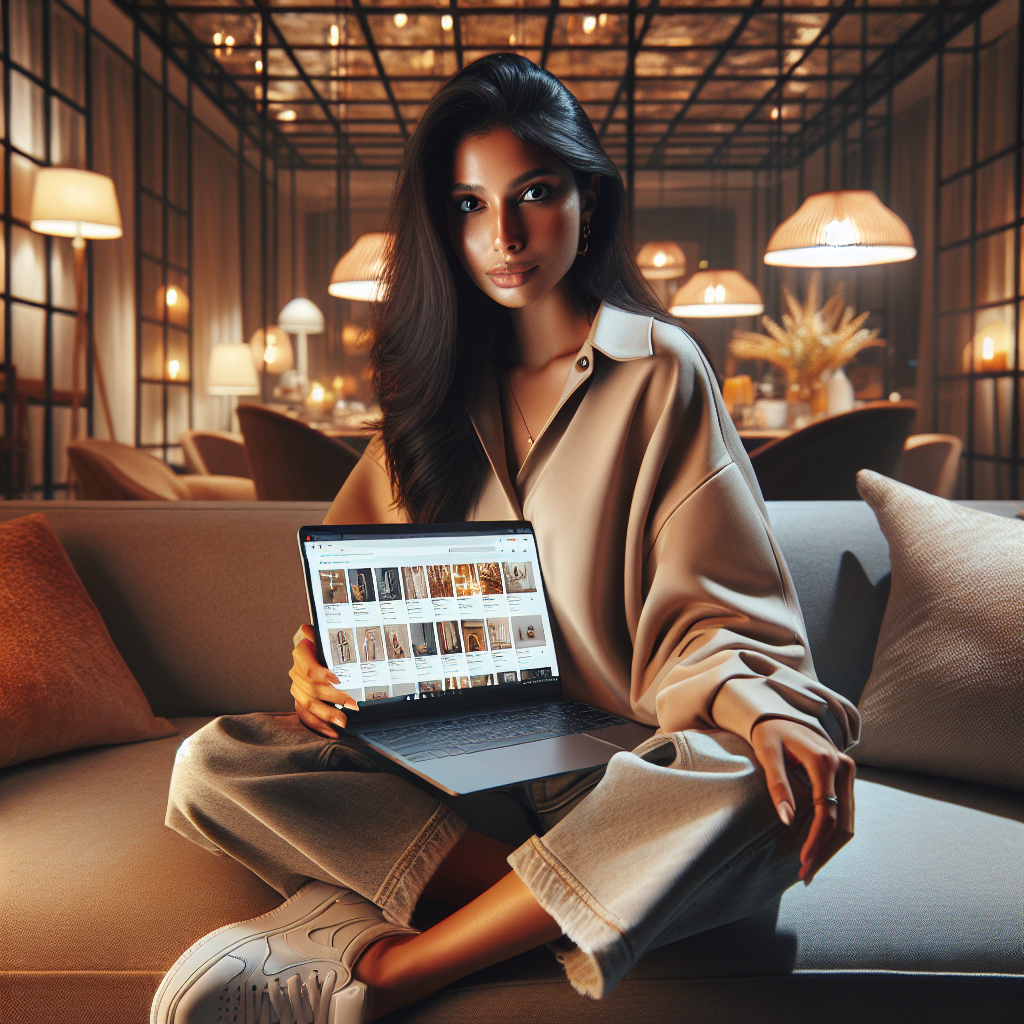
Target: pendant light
[661,261]
[845,228]
[357,274]
[717,293]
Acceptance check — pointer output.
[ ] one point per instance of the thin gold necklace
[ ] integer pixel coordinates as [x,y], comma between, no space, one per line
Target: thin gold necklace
[508,381]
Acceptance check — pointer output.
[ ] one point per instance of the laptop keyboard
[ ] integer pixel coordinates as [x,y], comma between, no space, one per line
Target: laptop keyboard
[497,729]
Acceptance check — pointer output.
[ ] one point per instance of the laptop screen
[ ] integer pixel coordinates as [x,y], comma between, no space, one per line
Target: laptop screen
[404,614]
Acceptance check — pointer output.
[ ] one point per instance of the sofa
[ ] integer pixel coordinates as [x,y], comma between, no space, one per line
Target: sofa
[920,918]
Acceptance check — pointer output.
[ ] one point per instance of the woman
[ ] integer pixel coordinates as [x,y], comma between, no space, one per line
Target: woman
[525,371]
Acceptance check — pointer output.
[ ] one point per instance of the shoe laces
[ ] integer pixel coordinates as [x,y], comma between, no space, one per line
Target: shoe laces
[295,1002]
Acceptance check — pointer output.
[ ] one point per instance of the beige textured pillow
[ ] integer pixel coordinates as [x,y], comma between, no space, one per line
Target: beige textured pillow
[63,684]
[946,692]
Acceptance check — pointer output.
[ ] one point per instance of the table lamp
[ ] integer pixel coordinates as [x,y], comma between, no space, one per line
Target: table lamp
[357,274]
[232,373]
[271,350]
[661,261]
[72,203]
[301,318]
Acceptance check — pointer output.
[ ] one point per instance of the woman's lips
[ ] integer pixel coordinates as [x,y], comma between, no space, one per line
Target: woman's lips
[512,276]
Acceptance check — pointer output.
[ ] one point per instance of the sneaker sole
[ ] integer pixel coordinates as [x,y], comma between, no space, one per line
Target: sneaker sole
[313,897]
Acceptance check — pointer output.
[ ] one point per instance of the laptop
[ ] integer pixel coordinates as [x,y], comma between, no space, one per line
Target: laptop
[442,634]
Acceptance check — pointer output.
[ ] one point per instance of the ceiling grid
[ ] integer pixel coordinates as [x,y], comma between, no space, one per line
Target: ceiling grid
[714,84]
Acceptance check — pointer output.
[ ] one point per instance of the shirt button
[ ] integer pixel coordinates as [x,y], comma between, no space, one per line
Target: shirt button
[583,362]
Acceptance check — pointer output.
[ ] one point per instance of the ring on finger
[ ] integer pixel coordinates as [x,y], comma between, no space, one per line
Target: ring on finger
[834,800]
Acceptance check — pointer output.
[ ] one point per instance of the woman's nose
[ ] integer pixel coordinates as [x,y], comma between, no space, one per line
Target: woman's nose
[508,231]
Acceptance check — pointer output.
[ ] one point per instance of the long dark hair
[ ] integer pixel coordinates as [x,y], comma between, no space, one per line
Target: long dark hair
[435,331]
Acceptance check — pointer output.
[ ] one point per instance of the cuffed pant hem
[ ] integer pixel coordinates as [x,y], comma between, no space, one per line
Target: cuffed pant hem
[600,949]
[401,890]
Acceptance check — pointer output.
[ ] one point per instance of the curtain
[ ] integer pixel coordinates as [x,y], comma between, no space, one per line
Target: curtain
[216,269]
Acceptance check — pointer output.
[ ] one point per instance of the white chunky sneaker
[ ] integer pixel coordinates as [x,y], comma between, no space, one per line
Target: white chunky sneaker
[291,966]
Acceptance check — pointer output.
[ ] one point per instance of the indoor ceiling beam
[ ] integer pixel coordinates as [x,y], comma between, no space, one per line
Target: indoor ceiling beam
[364,24]
[709,71]
[268,20]
[833,19]
[617,98]
[679,7]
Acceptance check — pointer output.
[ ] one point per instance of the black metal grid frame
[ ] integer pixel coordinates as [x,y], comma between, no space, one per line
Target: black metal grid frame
[170,273]
[47,11]
[959,392]
[669,84]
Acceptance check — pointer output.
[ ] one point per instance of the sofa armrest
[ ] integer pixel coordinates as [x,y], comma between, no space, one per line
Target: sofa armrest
[218,488]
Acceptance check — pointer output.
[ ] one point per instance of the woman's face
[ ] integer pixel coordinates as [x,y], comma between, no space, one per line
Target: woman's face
[514,216]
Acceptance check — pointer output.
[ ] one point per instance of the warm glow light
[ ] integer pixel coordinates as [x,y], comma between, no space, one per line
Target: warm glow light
[356,275]
[775,113]
[988,347]
[335,35]
[589,24]
[286,115]
[401,20]
[172,296]
[993,349]
[844,228]
[270,355]
[316,392]
[446,22]
[218,38]
[602,20]
[229,40]
[173,369]
[259,65]
[661,261]
[717,293]
[512,40]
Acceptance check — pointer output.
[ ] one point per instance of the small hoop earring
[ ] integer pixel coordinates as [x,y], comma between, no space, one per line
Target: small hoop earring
[586,241]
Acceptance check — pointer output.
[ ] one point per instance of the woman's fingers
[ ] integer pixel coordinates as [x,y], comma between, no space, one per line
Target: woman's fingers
[773,760]
[843,832]
[821,766]
[315,689]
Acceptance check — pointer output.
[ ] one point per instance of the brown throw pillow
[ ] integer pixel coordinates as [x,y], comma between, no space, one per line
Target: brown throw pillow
[946,692]
[63,684]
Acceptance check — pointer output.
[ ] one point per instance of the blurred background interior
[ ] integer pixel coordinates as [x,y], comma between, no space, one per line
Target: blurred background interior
[827,191]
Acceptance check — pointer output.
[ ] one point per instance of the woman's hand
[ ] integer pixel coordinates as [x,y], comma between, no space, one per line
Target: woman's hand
[312,688]
[780,745]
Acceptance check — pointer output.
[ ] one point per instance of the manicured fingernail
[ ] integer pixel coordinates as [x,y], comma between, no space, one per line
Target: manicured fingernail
[785,813]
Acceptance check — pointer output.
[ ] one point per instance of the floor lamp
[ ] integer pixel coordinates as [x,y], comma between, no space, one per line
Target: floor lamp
[70,203]
[232,373]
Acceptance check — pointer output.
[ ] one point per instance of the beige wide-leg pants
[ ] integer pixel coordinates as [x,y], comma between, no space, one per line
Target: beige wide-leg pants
[677,837]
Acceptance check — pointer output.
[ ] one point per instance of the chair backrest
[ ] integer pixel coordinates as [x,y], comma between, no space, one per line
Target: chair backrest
[931,462]
[290,461]
[820,462]
[108,471]
[215,452]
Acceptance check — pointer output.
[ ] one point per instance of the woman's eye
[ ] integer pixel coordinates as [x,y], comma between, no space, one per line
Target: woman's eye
[468,205]
[535,192]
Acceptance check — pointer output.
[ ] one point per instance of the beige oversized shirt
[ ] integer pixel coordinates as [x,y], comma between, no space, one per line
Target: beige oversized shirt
[672,603]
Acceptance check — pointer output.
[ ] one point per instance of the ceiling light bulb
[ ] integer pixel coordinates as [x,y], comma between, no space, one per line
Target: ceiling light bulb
[720,293]
[401,20]
[335,35]
[173,369]
[259,65]
[446,22]
[709,294]
[286,115]
[218,38]
[589,24]
[840,232]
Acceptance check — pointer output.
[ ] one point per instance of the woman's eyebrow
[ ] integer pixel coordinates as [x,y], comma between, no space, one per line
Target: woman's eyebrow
[537,172]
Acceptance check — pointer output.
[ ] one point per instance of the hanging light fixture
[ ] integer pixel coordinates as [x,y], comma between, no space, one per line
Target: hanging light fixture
[272,350]
[661,261]
[846,228]
[717,293]
[357,274]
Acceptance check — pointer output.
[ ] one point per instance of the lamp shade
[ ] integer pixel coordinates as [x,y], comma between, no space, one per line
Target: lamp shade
[357,274]
[716,293]
[661,261]
[69,202]
[300,316]
[272,350]
[848,228]
[231,371]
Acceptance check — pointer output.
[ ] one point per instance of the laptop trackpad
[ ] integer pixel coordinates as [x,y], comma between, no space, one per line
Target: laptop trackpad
[546,757]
